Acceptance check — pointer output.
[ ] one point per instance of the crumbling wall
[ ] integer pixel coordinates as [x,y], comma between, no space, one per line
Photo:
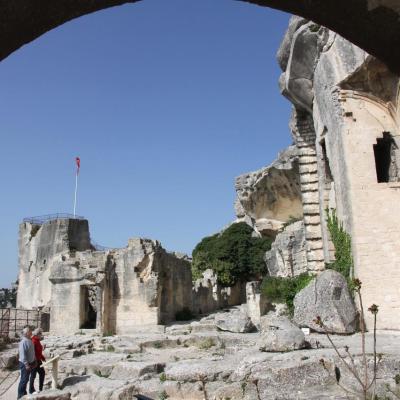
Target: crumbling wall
[148,286]
[72,280]
[39,245]
[209,295]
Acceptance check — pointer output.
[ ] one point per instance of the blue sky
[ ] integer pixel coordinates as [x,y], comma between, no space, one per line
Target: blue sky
[165,102]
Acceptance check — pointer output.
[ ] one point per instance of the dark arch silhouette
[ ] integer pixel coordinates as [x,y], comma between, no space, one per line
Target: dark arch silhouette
[373,25]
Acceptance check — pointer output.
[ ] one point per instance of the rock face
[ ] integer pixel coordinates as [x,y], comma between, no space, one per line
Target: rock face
[39,246]
[328,297]
[209,295]
[288,254]
[236,321]
[256,303]
[270,196]
[345,108]
[278,334]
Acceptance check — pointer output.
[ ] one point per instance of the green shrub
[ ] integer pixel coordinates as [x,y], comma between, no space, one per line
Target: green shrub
[342,241]
[184,315]
[34,230]
[233,254]
[163,377]
[284,290]
[163,395]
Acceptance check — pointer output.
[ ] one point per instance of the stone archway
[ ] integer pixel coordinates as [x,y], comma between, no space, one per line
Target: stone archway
[373,25]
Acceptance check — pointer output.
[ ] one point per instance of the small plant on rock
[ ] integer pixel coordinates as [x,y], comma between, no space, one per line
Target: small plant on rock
[342,241]
[110,348]
[283,290]
[366,384]
[163,395]
[206,344]
[163,377]
[157,345]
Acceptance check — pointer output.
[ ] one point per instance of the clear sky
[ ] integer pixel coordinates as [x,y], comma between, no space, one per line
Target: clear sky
[165,102]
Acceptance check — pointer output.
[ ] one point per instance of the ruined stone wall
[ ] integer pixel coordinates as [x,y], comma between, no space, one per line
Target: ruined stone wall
[209,296]
[147,287]
[39,246]
[176,283]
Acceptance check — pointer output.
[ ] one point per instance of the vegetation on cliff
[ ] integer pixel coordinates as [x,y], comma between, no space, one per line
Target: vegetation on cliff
[342,241]
[233,254]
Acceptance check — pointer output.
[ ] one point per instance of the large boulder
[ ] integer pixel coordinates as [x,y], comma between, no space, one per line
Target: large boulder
[288,254]
[278,334]
[328,297]
[234,321]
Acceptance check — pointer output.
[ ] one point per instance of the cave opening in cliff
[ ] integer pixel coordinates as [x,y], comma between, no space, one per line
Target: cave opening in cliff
[384,158]
[88,315]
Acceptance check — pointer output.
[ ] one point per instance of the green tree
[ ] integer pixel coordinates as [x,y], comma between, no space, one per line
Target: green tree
[233,254]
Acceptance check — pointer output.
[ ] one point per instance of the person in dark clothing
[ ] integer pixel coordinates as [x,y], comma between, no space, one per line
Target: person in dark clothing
[38,370]
[27,360]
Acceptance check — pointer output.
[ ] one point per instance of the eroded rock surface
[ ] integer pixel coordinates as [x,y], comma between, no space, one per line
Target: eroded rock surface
[212,364]
[270,196]
[288,254]
[278,334]
[328,297]
[236,321]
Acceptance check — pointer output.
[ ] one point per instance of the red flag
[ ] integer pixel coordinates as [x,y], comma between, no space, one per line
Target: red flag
[78,164]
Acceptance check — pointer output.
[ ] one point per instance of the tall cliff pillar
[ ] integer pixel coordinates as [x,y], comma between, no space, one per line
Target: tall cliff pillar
[40,244]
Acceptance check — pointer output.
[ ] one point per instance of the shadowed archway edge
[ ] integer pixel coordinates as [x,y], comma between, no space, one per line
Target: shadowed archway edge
[373,25]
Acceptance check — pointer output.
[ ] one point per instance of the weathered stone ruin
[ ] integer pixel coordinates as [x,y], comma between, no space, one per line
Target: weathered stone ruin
[136,288]
[116,291]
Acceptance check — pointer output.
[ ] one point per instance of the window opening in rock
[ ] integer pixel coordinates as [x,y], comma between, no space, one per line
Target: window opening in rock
[88,315]
[385,159]
[327,167]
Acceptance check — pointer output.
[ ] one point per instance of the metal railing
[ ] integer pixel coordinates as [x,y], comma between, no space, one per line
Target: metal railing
[99,247]
[13,320]
[41,219]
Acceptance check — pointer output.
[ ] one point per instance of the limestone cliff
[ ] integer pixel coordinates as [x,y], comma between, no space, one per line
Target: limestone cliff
[345,124]
[268,197]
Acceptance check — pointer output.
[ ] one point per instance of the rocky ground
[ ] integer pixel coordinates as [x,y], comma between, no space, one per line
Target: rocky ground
[198,361]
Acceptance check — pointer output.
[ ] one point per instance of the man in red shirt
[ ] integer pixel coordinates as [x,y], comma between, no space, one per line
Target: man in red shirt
[36,338]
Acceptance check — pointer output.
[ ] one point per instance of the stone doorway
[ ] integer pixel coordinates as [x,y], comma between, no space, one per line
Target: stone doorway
[87,312]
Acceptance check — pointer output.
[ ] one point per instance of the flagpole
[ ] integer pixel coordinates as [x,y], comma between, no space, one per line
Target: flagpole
[76,190]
